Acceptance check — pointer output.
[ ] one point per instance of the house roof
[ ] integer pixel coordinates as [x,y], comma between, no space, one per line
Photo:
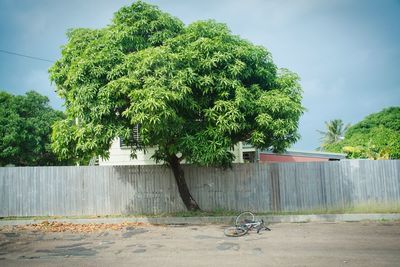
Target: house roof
[303,153]
[300,153]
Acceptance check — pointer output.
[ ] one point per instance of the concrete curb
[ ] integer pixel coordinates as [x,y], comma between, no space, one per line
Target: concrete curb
[221,220]
[331,217]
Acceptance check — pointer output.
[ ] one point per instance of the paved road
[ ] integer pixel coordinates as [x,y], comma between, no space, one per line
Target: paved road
[306,244]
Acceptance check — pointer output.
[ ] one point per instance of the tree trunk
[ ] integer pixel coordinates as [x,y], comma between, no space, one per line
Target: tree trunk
[187,198]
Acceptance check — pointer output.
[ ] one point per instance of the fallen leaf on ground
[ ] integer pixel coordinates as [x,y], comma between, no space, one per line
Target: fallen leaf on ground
[47,226]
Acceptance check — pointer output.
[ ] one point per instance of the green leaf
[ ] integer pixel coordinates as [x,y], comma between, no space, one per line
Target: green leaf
[196,89]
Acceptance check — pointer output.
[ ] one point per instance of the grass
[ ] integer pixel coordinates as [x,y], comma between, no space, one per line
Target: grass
[213,213]
[370,207]
[172,214]
[374,207]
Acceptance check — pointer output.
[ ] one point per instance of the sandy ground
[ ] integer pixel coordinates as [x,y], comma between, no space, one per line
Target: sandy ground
[306,244]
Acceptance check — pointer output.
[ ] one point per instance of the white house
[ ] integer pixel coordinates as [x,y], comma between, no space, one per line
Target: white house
[120,155]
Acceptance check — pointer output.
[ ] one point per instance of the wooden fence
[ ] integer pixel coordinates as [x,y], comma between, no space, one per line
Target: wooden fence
[292,187]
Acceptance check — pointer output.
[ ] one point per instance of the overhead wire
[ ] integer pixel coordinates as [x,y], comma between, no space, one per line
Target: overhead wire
[26,56]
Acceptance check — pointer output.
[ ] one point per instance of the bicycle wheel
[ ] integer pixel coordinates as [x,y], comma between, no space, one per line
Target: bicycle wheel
[235,231]
[243,218]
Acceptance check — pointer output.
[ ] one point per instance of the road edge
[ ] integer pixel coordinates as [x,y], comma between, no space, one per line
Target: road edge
[219,220]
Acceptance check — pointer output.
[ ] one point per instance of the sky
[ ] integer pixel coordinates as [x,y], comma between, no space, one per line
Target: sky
[346,52]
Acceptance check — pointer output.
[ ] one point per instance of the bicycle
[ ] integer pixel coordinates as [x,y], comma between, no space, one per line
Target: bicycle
[245,222]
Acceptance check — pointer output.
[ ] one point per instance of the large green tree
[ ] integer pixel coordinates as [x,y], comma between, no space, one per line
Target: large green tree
[375,137]
[25,130]
[195,91]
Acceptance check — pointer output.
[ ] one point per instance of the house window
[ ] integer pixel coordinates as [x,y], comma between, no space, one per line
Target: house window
[135,138]
[248,157]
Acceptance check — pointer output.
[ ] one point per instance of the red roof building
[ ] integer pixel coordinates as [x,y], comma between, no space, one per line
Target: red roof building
[254,155]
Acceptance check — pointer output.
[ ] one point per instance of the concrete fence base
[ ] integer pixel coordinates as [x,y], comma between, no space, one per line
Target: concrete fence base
[226,220]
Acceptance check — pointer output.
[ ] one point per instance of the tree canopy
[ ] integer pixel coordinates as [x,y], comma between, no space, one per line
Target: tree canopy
[195,90]
[25,130]
[375,137]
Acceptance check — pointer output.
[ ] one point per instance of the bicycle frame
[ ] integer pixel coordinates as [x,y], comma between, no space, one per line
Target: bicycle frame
[259,225]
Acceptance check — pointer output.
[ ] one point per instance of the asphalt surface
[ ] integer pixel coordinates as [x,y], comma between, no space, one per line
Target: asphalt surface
[288,244]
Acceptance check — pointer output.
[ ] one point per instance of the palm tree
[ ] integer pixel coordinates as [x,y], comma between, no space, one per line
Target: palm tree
[334,133]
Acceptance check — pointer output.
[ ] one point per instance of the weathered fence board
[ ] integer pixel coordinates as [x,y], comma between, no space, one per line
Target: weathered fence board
[99,190]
